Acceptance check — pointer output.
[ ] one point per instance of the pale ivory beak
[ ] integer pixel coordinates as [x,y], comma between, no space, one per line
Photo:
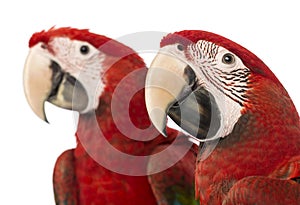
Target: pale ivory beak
[44,81]
[165,83]
[37,81]
[172,89]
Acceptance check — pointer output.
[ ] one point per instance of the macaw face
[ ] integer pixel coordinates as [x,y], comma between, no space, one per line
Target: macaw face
[220,70]
[199,64]
[65,69]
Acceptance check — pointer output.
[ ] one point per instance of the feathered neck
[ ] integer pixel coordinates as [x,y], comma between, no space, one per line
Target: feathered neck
[270,102]
[115,110]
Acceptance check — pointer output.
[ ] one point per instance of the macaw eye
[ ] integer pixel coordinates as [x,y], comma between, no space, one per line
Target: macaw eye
[180,47]
[43,46]
[228,59]
[84,50]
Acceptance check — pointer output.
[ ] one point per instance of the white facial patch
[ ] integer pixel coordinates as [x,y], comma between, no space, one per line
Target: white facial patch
[84,62]
[225,77]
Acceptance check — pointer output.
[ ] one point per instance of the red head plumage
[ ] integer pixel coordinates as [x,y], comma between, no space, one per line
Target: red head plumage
[101,42]
[249,59]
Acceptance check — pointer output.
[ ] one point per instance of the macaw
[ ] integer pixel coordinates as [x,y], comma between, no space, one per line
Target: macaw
[251,154]
[92,75]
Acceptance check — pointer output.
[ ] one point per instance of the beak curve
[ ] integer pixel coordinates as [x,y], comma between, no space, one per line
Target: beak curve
[164,83]
[172,89]
[169,81]
[37,81]
[44,81]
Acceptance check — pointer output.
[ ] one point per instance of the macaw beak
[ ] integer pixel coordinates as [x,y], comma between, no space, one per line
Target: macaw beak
[44,80]
[172,89]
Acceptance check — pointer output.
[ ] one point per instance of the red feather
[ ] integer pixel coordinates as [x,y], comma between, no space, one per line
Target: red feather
[78,177]
[107,45]
[249,59]
[260,158]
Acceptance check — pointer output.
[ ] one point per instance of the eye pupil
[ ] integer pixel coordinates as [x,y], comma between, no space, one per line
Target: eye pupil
[180,47]
[43,46]
[84,50]
[228,58]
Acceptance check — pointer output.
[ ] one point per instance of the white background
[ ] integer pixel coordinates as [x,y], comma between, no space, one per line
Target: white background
[29,147]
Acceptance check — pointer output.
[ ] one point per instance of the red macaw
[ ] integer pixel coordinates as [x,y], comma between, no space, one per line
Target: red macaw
[252,153]
[79,70]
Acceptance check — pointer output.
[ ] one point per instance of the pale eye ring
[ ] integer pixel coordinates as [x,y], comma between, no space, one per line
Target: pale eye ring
[180,47]
[228,59]
[84,49]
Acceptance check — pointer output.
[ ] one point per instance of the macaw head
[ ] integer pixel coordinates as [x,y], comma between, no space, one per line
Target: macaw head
[68,67]
[208,67]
